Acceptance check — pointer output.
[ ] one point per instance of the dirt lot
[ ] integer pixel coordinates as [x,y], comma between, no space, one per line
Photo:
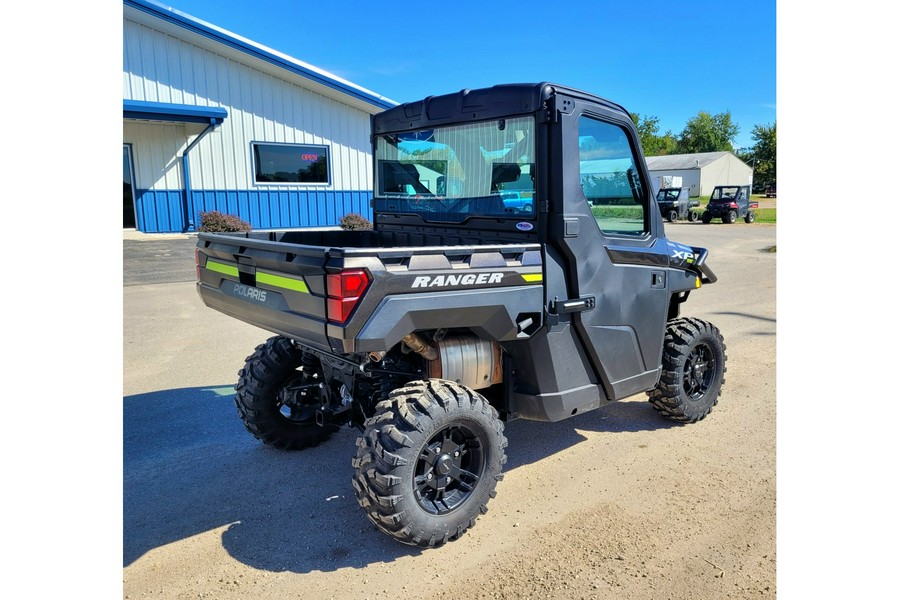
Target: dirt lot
[617,503]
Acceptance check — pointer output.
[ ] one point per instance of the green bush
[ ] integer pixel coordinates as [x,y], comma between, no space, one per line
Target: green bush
[355,222]
[218,222]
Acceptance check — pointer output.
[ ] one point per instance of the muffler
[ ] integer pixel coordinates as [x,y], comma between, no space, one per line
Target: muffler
[467,360]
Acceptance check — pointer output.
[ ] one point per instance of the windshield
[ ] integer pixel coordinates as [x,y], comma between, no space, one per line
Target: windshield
[667,195]
[452,173]
[725,193]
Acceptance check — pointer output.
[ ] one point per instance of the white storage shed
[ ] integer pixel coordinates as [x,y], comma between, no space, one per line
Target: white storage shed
[214,121]
[701,172]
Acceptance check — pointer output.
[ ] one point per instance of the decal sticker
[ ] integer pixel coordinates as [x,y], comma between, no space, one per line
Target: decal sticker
[450,280]
[249,292]
[524,226]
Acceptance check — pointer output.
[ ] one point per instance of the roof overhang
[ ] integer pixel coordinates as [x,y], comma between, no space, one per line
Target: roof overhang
[178,113]
[227,43]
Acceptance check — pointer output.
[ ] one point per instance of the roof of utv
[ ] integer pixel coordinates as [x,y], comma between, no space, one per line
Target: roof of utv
[480,104]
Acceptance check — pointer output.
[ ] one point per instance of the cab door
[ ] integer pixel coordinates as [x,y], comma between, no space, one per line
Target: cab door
[608,228]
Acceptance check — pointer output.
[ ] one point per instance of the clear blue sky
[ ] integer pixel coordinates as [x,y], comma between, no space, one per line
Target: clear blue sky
[667,59]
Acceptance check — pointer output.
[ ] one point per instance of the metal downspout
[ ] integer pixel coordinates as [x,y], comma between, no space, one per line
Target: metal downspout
[188,197]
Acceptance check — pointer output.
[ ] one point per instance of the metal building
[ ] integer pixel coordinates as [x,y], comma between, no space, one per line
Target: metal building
[701,172]
[213,121]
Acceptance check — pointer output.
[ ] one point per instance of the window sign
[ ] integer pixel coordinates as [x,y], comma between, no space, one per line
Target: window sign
[290,163]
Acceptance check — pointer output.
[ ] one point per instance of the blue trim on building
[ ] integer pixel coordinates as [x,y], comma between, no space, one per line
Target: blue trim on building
[172,15]
[162,211]
[164,111]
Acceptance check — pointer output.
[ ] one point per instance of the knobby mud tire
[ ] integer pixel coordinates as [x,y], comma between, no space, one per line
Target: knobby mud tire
[413,434]
[271,367]
[694,365]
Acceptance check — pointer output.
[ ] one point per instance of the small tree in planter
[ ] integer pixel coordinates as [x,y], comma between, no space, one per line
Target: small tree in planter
[215,221]
[355,221]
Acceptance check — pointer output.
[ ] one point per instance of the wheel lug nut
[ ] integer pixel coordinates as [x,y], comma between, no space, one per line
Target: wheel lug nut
[456,454]
[429,476]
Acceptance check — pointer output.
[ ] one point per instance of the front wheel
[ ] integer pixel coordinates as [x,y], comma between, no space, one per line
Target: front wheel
[428,462]
[693,371]
[278,393]
[707,218]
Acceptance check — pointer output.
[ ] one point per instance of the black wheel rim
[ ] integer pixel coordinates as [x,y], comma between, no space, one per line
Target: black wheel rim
[448,469]
[699,371]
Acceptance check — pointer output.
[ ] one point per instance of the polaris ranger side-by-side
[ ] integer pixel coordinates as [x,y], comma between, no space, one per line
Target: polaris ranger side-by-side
[460,310]
[730,203]
[675,203]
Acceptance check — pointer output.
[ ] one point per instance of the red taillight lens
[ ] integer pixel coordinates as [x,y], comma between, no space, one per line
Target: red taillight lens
[344,292]
[733,205]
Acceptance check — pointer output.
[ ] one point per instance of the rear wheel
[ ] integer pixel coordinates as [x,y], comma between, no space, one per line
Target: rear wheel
[672,216]
[751,216]
[693,216]
[693,371]
[278,393]
[428,462]
[707,218]
[730,217]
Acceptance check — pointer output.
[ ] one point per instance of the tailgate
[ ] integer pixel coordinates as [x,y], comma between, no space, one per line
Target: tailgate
[279,287]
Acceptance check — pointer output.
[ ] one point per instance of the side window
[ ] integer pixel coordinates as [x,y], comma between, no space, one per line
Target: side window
[609,178]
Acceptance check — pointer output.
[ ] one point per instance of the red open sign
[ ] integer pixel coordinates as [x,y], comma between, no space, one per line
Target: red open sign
[310,157]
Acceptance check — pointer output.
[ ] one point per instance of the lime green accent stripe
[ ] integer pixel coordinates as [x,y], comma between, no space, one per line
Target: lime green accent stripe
[221,268]
[298,285]
[533,278]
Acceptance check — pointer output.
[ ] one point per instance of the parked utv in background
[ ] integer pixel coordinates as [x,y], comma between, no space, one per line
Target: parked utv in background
[770,191]
[459,312]
[730,203]
[674,204]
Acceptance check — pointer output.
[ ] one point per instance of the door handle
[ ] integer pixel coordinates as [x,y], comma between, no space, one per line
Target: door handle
[560,307]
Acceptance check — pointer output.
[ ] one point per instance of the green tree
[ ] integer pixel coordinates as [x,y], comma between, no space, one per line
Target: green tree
[763,154]
[708,133]
[653,143]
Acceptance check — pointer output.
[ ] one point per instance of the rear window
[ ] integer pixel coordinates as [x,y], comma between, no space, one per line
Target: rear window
[449,174]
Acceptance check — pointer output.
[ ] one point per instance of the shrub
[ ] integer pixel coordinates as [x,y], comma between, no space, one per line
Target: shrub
[218,222]
[355,221]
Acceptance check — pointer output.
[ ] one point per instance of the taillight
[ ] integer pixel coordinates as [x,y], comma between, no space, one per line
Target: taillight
[733,205]
[345,289]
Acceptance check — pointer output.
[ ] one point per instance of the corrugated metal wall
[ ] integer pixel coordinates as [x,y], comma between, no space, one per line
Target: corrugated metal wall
[159,67]
[728,170]
[690,178]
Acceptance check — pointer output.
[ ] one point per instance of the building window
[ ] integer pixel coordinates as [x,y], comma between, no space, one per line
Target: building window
[610,179]
[291,163]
